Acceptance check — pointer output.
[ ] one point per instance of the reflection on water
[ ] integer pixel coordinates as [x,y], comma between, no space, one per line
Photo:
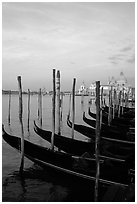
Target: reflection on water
[38,184]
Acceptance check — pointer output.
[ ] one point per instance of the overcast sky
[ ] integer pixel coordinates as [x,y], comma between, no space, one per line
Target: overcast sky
[89,41]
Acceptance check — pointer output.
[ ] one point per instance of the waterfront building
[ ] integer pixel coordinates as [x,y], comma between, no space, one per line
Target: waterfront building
[83,90]
[92,89]
[120,84]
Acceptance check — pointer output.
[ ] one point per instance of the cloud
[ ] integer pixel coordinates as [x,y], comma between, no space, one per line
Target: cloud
[125,49]
[114,62]
[131,60]
[115,59]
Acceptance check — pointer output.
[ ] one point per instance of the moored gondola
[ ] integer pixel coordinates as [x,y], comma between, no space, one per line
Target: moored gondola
[112,131]
[119,122]
[80,167]
[108,135]
[127,112]
[77,147]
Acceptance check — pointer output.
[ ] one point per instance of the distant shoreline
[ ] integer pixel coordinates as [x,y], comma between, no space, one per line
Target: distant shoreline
[5,92]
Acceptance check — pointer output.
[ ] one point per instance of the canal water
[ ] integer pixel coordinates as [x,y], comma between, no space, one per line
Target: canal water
[39,185]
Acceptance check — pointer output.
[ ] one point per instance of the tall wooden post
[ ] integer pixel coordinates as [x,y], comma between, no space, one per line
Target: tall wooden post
[111,102]
[69,105]
[109,110]
[119,105]
[110,107]
[21,123]
[40,107]
[9,107]
[122,101]
[73,107]
[97,141]
[126,99]
[61,112]
[114,102]
[101,107]
[117,101]
[53,110]
[58,101]
[28,108]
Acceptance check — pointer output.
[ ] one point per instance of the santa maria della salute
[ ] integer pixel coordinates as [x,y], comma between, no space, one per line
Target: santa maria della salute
[118,84]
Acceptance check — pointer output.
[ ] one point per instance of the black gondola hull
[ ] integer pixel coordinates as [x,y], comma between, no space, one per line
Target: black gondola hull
[72,165]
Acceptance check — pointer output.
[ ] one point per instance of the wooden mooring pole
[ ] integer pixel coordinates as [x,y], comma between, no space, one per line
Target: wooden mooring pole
[73,107]
[126,99]
[122,102]
[21,123]
[110,107]
[69,105]
[58,101]
[114,103]
[53,110]
[61,112]
[28,108]
[9,107]
[119,104]
[101,107]
[40,107]
[97,141]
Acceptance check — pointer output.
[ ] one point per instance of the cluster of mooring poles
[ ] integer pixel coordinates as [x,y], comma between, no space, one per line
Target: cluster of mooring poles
[117,99]
[116,103]
[97,142]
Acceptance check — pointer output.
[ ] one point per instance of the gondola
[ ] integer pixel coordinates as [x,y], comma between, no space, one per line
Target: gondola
[77,147]
[129,114]
[125,109]
[120,122]
[112,137]
[83,168]
[125,121]
[111,131]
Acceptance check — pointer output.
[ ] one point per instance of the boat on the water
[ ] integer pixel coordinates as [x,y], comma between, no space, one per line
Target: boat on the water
[111,131]
[119,122]
[127,112]
[107,136]
[74,166]
[77,147]
[67,144]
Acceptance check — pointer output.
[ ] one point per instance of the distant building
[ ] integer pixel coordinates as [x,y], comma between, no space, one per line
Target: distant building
[119,84]
[92,89]
[122,83]
[112,82]
[83,90]
[122,80]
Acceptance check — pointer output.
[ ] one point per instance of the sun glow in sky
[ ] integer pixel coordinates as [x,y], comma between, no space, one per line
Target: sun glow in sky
[89,41]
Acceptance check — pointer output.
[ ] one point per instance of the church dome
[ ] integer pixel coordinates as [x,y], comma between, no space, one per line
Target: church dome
[122,77]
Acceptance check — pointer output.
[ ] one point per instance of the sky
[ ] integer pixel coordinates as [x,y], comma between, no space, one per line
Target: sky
[87,41]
